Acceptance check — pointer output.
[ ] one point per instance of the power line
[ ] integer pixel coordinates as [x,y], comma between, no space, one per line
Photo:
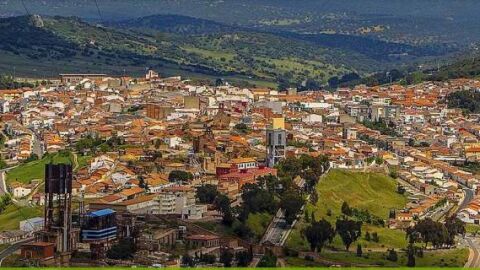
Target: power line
[98,9]
[25,7]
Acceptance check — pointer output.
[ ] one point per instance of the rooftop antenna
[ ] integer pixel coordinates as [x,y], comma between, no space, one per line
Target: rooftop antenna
[25,7]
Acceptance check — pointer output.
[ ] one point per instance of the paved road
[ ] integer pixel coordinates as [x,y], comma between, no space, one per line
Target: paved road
[474,258]
[276,230]
[14,247]
[469,194]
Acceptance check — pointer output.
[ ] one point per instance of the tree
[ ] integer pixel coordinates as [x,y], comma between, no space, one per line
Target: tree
[142,183]
[375,237]
[410,255]
[346,210]
[454,226]
[218,82]
[318,234]
[392,255]
[187,260]
[226,257]
[157,143]
[291,203]
[333,82]
[206,193]
[428,231]
[242,230]
[222,203]
[208,258]
[393,173]
[379,160]
[180,176]
[367,236]
[349,231]
[359,250]
[241,127]
[243,258]
[256,199]
[32,157]
[122,251]
[268,182]
[268,260]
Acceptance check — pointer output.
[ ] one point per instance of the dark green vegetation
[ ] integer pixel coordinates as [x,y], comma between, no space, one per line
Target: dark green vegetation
[433,21]
[38,46]
[202,49]
[382,126]
[7,82]
[435,233]
[180,176]
[261,200]
[123,250]
[466,67]
[467,100]
[473,167]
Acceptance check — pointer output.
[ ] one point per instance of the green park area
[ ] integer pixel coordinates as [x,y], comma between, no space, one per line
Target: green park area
[367,194]
[26,172]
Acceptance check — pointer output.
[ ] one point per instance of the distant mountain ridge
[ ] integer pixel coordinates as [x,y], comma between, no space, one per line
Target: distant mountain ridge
[195,48]
[63,44]
[176,24]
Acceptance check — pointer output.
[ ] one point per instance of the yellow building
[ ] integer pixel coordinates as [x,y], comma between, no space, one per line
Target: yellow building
[278,123]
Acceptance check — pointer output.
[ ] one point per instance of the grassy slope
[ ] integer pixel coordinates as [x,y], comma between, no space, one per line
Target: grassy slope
[440,258]
[377,193]
[258,223]
[11,217]
[24,173]
[374,192]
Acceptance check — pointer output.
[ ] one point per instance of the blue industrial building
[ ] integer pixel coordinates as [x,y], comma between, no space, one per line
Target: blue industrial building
[99,226]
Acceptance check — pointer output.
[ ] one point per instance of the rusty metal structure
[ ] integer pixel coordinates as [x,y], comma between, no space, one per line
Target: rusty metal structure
[58,227]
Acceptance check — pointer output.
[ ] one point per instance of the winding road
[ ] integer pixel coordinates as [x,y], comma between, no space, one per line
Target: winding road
[12,248]
[474,257]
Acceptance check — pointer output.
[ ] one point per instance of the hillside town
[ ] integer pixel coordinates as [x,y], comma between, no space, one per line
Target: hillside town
[158,165]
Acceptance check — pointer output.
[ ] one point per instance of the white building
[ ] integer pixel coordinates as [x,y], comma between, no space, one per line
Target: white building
[179,200]
[20,191]
[32,225]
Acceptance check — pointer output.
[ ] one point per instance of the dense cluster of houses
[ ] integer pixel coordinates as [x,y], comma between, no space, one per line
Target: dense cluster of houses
[126,136]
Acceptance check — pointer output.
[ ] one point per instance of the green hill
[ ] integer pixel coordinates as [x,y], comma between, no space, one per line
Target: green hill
[369,191]
[364,191]
[45,46]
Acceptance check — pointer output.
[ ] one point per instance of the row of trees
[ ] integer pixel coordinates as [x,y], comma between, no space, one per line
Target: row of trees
[227,258]
[8,82]
[320,233]
[436,233]
[428,231]
[361,215]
